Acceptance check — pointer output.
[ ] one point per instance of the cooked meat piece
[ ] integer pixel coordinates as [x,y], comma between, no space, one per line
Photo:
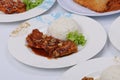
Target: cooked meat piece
[12,6]
[65,48]
[100,5]
[34,39]
[54,47]
[87,78]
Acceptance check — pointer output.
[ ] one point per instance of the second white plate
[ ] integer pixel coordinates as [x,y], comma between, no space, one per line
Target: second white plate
[96,39]
[114,34]
[91,68]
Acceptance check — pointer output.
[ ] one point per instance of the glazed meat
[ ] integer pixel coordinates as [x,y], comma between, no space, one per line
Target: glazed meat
[52,46]
[87,78]
[12,6]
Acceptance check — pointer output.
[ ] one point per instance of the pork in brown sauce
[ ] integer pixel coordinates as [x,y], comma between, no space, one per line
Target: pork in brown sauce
[52,46]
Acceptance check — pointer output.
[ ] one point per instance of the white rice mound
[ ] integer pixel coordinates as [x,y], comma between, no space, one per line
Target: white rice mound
[61,27]
[111,73]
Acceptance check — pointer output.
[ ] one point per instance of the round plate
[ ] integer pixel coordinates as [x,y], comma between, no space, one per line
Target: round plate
[73,7]
[90,68]
[46,5]
[114,34]
[96,39]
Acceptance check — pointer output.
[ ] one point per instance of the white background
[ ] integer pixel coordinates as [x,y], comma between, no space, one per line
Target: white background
[11,69]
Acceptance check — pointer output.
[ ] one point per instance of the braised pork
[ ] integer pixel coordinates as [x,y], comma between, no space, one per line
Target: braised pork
[52,46]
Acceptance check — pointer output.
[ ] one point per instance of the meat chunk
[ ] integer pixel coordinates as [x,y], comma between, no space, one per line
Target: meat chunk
[52,46]
[87,78]
[12,6]
[65,48]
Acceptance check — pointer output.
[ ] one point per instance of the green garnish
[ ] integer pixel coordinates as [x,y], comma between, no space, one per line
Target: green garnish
[32,3]
[77,37]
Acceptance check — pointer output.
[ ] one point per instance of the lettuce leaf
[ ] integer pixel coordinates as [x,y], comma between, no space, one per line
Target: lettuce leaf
[32,3]
[76,37]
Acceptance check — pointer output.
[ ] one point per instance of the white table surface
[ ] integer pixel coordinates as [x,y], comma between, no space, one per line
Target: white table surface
[11,69]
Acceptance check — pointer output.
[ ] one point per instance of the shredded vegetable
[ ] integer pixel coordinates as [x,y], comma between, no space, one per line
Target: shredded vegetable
[32,3]
[77,37]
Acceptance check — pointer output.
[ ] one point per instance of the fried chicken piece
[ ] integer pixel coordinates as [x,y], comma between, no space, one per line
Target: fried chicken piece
[100,5]
[11,6]
[54,47]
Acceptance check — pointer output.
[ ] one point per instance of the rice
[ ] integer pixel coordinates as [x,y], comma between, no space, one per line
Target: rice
[61,27]
[111,73]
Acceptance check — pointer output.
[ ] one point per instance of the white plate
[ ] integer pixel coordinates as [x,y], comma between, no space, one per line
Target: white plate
[73,7]
[91,68]
[46,5]
[114,34]
[96,39]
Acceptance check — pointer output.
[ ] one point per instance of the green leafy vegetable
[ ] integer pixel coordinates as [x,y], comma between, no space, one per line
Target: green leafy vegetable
[32,3]
[76,37]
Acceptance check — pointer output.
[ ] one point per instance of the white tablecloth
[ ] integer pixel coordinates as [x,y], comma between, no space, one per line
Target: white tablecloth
[11,69]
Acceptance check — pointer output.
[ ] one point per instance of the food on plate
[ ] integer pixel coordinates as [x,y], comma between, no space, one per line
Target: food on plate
[61,27]
[49,46]
[62,39]
[76,37]
[100,5]
[11,6]
[18,6]
[87,78]
[110,73]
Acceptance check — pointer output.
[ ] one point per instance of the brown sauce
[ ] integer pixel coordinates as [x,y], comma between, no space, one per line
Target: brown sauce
[41,52]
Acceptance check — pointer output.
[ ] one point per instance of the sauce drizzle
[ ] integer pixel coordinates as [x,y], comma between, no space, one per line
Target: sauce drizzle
[40,52]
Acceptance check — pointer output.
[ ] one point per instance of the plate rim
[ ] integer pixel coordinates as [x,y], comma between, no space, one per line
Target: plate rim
[110,33]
